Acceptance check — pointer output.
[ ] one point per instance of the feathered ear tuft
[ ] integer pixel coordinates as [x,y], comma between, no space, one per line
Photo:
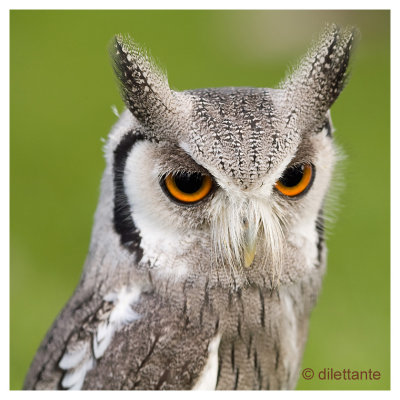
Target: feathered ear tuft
[320,77]
[144,87]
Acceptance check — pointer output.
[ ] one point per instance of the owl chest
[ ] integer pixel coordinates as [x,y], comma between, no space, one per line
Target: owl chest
[262,356]
[260,341]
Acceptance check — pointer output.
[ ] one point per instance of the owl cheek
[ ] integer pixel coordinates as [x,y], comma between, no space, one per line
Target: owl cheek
[169,254]
[303,237]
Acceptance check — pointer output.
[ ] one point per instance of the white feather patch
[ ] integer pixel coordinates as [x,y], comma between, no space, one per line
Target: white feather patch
[79,359]
[73,358]
[73,379]
[289,339]
[208,378]
[121,314]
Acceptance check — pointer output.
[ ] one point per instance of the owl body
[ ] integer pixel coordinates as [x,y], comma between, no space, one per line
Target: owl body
[207,251]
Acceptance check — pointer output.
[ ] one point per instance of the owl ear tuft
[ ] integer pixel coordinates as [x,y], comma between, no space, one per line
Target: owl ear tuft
[144,87]
[319,78]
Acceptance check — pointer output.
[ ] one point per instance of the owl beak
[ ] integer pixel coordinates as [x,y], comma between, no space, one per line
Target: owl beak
[250,244]
[249,254]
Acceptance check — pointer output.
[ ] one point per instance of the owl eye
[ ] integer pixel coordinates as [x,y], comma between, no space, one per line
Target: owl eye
[296,180]
[188,187]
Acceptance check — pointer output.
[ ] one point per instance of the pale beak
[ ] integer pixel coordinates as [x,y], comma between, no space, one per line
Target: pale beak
[251,244]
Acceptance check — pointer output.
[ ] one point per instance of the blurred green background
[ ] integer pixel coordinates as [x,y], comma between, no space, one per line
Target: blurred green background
[62,89]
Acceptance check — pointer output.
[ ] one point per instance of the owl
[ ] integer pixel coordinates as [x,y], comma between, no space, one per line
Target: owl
[207,251]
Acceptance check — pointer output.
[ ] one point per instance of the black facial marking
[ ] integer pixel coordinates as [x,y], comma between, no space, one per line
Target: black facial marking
[123,223]
[328,128]
[319,226]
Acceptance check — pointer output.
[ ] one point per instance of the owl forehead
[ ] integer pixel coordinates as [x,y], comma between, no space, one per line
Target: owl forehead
[239,132]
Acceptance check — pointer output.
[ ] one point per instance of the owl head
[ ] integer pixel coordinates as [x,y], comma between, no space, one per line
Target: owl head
[224,184]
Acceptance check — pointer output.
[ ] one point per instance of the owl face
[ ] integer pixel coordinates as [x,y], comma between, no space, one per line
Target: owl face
[227,183]
[199,217]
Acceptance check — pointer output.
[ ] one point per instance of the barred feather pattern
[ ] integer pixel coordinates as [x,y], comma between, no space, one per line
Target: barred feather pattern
[90,343]
[311,89]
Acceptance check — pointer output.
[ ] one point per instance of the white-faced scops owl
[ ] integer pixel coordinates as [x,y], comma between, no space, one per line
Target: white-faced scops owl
[207,250]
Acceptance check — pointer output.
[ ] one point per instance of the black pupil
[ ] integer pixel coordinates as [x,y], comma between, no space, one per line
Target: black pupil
[189,183]
[292,176]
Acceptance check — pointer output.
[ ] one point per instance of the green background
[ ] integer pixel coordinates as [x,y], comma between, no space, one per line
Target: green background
[62,89]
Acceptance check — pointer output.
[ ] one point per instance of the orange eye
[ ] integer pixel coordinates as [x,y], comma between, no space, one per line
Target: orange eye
[296,180]
[188,187]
